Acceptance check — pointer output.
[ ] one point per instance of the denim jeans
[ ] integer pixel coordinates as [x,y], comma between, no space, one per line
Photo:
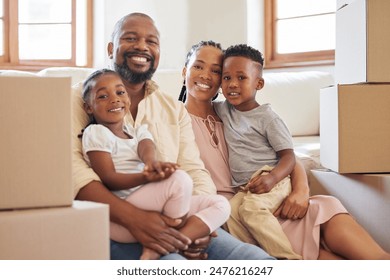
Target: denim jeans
[222,247]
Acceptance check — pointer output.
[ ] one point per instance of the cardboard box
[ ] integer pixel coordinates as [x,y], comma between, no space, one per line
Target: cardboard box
[363,42]
[365,196]
[35,162]
[79,232]
[355,128]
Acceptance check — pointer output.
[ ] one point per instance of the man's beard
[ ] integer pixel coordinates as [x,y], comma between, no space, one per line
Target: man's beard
[133,77]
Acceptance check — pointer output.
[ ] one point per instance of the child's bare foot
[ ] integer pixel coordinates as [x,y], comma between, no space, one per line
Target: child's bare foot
[149,254]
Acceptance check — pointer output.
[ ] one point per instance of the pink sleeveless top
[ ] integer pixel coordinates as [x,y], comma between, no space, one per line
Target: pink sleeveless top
[213,153]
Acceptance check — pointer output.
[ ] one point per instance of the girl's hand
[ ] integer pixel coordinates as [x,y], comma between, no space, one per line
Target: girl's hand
[157,170]
[168,168]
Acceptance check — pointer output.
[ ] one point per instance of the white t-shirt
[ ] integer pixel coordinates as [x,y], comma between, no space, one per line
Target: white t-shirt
[124,153]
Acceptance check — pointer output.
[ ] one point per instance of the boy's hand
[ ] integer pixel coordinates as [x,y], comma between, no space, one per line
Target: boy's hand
[261,184]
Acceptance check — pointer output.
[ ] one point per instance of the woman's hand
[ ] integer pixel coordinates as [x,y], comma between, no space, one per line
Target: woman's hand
[294,206]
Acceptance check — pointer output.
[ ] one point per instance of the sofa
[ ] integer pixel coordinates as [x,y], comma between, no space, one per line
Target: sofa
[293,95]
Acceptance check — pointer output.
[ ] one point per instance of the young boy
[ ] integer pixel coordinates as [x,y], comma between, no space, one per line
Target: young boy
[261,155]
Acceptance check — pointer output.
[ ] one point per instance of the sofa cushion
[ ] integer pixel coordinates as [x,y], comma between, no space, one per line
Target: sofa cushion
[17,73]
[77,74]
[307,149]
[295,96]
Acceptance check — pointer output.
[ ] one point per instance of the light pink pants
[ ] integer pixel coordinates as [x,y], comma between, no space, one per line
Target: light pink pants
[173,198]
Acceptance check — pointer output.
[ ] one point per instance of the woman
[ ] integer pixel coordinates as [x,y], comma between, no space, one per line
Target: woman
[318,227]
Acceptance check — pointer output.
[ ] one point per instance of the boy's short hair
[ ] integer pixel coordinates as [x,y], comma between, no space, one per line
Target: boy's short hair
[244,50]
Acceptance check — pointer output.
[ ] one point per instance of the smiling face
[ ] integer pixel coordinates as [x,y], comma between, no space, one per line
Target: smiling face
[108,101]
[203,73]
[135,49]
[241,78]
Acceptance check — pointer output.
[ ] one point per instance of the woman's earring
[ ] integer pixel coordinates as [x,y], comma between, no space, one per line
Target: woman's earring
[183,92]
[216,95]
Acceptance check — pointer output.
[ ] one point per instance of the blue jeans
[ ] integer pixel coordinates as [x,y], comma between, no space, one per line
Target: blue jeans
[222,247]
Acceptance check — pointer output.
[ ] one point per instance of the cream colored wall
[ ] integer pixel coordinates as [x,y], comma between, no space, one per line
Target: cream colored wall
[172,26]
[183,23]
[190,21]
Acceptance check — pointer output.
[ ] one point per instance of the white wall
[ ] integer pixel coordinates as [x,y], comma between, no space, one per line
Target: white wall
[172,26]
[183,23]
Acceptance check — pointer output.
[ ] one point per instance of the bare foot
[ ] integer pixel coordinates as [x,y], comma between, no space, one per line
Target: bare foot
[149,254]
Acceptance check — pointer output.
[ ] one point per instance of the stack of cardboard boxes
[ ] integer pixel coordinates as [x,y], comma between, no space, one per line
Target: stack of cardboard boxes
[38,217]
[355,116]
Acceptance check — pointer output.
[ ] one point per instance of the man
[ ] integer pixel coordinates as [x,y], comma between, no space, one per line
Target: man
[135,51]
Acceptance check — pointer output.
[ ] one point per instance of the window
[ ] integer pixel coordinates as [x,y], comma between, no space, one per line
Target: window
[40,33]
[299,32]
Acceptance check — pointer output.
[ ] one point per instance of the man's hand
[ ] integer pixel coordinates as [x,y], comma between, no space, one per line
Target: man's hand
[155,231]
[151,229]
[196,251]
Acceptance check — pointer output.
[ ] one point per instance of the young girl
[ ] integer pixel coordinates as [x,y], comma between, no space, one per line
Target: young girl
[125,160]
[321,229]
